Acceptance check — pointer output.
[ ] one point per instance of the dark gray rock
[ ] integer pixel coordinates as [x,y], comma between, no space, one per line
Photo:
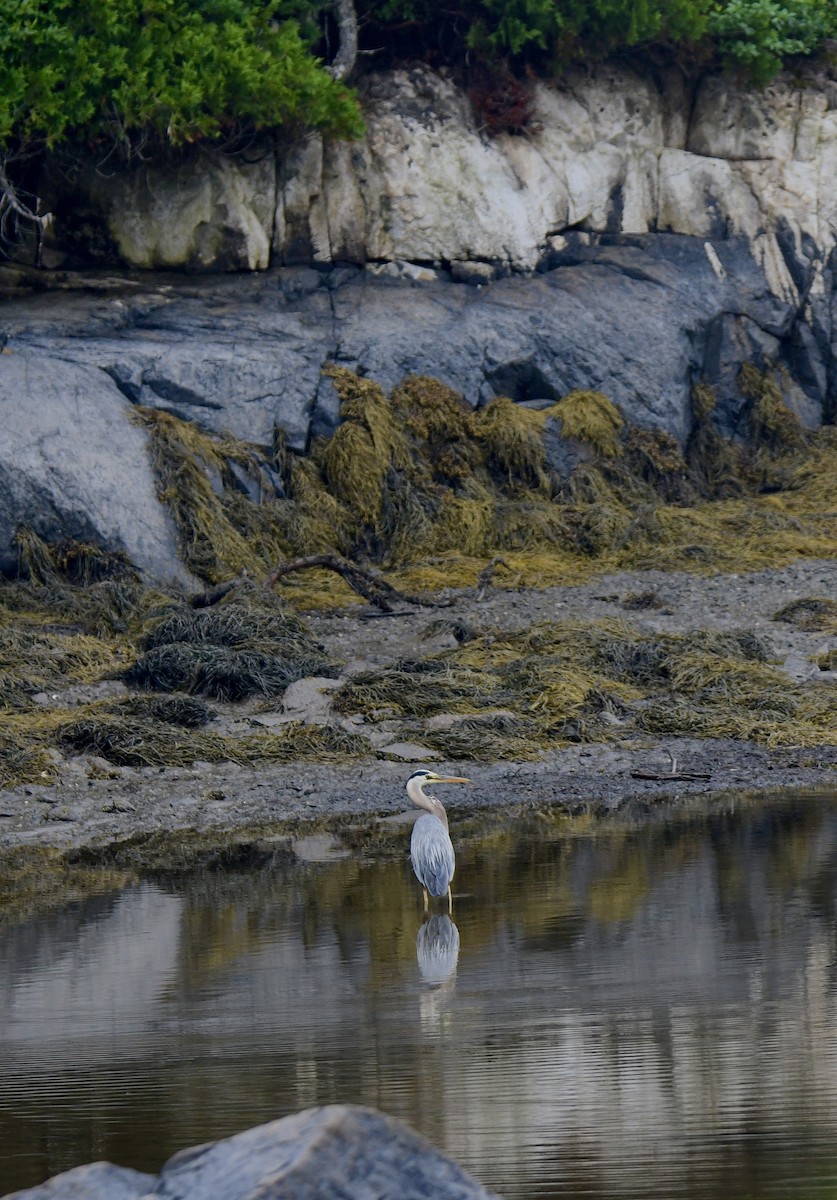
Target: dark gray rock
[640,318]
[475,273]
[96,1181]
[342,1150]
[731,340]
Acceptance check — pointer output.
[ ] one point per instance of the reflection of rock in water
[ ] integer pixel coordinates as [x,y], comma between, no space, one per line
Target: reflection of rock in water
[437,949]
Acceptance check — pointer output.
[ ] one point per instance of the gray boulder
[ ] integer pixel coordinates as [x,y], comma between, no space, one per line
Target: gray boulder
[637,317]
[341,1150]
[72,465]
[95,1181]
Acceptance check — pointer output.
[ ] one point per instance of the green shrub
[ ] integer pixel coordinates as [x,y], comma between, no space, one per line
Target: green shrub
[756,35]
[760,34]
[112,70]
[127,74]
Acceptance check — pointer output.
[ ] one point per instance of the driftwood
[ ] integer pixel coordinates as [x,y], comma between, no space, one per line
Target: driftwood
[671,776]
[486,575]
[213,595]
[365,582]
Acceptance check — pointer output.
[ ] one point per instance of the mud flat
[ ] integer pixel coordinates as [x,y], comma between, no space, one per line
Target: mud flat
[96,812]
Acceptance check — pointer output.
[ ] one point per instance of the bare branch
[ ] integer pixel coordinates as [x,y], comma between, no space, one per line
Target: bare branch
[486,575]
[14,209]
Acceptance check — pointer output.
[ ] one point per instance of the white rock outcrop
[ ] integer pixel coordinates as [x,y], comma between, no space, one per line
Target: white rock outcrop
[208,214]
[608,151]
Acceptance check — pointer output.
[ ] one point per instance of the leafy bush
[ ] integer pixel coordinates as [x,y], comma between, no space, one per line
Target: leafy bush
[756,35]
[117,73]
[580,27]
[115,69]
[761,34]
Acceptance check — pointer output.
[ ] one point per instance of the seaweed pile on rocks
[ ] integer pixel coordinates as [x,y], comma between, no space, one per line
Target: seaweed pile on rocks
[514,694]
[250,645]
[67,653]
[421,487]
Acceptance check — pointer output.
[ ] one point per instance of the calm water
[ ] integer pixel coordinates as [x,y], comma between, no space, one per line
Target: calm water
[646,1013]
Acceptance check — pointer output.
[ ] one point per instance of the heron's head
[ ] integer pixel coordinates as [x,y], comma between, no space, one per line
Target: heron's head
[415,790]
[427,777]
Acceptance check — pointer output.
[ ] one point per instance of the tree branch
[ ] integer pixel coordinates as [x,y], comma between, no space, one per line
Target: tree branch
[13,209]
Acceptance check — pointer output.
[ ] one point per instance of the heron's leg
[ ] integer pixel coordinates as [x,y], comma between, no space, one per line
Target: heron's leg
[426,899]
[450,901]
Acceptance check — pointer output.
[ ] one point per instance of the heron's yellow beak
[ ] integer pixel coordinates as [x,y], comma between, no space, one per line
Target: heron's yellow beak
[450,779]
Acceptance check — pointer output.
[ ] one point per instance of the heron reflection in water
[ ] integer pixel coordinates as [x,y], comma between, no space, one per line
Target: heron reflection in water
[431,850]
[437,949]
[437,955]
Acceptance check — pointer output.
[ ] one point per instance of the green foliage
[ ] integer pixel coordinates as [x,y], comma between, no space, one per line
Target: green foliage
[575,27]
[761,34]
[112,69]
[756,35]
[115,72]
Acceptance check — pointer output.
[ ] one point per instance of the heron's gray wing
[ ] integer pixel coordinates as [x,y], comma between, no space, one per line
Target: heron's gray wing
[431,853]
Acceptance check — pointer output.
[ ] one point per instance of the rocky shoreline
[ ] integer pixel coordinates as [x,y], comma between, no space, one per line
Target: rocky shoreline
[142,817]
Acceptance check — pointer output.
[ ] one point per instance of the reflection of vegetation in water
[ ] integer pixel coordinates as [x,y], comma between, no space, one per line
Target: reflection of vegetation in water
[542,875]
[38,879]
[618,895]
[648,995]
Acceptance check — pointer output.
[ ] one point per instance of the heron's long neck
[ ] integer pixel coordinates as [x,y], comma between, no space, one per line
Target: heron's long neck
[415,791]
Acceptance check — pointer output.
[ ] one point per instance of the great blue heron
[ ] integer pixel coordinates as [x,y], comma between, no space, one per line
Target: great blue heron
[431,850]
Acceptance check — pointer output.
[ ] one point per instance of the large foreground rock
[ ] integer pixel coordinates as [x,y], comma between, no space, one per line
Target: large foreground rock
[341,1150]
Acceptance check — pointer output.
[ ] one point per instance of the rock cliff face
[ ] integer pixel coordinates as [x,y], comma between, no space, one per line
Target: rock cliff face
[608,151]
[641,236]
